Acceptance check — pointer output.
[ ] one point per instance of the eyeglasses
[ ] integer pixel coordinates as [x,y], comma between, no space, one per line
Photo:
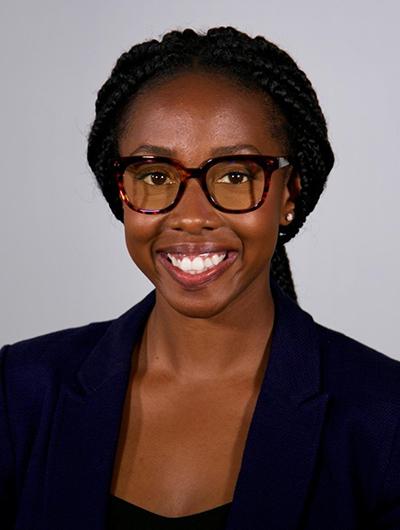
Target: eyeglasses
[235,184]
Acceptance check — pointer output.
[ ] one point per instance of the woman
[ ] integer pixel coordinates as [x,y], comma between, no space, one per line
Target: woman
[216,402]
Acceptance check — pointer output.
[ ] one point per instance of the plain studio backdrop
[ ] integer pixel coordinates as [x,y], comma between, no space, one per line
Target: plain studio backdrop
[63,256]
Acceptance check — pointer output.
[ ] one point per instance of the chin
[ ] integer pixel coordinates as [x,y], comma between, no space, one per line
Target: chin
[192,304]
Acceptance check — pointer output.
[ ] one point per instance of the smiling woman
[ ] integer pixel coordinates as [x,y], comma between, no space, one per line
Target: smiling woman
[200,116]
[216,402]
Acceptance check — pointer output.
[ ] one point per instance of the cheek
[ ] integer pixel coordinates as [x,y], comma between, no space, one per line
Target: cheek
[260,228]
[140,230]
[259,235]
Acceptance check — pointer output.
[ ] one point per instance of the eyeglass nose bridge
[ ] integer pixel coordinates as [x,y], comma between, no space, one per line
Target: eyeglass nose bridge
[198,173]
[193,173]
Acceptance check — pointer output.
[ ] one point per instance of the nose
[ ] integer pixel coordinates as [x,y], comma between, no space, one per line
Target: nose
[194,213]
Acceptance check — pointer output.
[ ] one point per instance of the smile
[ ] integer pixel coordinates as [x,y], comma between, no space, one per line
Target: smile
[197,264]
[194,271]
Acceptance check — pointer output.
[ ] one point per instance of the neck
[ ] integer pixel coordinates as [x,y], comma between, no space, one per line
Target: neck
[233,343]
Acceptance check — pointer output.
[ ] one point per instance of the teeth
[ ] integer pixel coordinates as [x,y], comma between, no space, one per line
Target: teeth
[216,259]
[173,259]
[185,264]
[199,263]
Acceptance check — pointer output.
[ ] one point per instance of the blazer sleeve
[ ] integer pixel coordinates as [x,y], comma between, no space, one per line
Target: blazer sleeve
[7,461]
[387,513]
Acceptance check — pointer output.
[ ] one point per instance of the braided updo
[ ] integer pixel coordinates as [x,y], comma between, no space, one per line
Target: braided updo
[255,63]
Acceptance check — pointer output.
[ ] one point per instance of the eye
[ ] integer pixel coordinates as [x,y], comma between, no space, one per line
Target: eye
[235,177]
[156,178]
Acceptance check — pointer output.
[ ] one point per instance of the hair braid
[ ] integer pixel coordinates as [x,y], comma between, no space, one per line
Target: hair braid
[280,271]
[255,63]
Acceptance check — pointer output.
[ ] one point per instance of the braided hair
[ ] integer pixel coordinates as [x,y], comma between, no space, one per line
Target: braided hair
[255,63]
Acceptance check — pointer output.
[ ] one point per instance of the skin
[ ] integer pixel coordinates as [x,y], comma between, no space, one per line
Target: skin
[191,386]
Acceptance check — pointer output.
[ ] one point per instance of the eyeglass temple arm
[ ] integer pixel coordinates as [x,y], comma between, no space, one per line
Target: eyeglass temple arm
[283,162]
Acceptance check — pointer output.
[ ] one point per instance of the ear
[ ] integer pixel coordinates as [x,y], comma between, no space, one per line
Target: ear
[290,194]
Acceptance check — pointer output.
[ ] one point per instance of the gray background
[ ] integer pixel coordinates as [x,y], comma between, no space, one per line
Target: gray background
[63,256]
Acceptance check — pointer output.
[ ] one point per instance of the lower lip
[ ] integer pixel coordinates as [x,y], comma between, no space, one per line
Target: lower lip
[193,281]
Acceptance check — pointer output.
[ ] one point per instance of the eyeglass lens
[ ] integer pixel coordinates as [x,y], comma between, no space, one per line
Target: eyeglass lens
[233,184]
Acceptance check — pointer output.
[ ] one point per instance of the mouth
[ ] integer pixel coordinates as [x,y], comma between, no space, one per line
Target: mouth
[195,270]
[196,264]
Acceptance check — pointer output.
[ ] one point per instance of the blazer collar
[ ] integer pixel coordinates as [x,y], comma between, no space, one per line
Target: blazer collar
[114,351]
[284,434]
[281,445]
[290,372]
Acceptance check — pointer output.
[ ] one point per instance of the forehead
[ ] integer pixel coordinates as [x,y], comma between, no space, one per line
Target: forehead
[198,111]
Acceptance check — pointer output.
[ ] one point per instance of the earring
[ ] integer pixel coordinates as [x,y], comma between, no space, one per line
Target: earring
[289,216]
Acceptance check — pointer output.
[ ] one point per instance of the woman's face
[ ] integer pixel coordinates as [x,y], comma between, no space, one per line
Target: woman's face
[193,117]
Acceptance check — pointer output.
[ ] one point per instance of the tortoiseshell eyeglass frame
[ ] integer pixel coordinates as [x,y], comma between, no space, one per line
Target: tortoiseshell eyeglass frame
[267,162]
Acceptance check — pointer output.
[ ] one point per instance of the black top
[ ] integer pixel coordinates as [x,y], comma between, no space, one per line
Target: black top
[123,515]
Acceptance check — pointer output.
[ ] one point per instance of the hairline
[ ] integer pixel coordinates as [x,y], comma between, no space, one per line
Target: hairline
[279,126]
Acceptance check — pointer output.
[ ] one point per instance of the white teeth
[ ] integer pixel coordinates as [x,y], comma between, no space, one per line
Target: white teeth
[216,259]
[173,259]
[208,263]
[185,264]
[199,263]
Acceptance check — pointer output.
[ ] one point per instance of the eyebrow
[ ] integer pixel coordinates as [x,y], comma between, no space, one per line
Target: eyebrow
[153,150]
[218,151]
[232,149]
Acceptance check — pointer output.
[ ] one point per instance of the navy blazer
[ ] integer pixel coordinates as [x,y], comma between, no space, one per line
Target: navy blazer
[322,451]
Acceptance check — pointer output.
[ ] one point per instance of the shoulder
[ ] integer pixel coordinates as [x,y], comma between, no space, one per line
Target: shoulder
[32,372]
[56,353]
[54,358]
[355,368]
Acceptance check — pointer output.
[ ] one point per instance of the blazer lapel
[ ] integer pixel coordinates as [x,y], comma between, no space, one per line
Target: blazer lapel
[284,434]
[86,428]
[282,442]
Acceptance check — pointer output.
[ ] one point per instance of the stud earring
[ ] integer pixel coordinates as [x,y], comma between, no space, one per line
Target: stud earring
[289,216]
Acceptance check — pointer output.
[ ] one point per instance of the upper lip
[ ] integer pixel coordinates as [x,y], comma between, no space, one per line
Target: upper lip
[194,248]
